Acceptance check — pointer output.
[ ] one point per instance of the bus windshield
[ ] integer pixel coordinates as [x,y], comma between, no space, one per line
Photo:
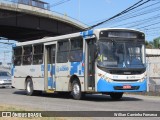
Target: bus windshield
[120,54]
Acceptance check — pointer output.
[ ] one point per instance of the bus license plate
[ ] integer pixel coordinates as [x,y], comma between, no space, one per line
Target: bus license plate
[127,87]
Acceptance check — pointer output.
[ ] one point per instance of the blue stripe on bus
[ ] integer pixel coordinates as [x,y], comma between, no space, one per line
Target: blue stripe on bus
[42,67]
[104,86]
[87,33]
[53,70]
[50,81]
[49,67]
[76,68]
[12,71]
[14,45]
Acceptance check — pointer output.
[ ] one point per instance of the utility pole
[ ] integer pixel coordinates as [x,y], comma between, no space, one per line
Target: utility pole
[78,9]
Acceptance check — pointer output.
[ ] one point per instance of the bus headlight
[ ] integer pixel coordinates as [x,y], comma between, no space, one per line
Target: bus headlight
[108,79]
[141,80]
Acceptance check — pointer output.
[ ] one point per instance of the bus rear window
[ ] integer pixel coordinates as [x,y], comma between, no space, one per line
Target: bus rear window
[17,57]
[27,55]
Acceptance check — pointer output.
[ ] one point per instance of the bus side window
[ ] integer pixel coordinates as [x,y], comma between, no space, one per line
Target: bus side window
[76,51]
[38,54]
[17,57]
[27,55]
[63,49]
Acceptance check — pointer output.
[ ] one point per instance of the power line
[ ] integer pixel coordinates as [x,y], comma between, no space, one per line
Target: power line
[149,25]
[129,13]
[125,17]
[136,5]
[140,22]
[59,3]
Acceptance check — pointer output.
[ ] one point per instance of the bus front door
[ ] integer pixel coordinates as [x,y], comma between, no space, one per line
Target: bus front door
[90,62]
[50,51]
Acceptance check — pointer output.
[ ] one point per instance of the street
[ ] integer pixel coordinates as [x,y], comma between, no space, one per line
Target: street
[54,102]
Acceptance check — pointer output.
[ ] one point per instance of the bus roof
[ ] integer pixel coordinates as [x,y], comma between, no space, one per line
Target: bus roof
[100,29]
[47,39]
[51,39]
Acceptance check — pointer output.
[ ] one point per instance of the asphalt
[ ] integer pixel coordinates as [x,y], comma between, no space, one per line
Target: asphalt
[56,102]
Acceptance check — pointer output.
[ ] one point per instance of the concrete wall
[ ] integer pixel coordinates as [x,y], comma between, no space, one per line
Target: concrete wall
[153,73]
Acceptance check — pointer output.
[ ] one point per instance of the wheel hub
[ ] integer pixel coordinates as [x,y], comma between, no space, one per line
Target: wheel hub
[76,89]
[29,86]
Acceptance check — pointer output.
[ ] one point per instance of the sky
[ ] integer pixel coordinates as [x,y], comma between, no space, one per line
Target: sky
[93,11]
[88,11]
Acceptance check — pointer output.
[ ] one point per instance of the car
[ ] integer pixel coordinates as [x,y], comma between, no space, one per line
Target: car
[5,79]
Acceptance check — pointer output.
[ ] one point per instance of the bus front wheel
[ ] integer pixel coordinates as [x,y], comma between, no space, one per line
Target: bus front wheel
[116,96]
[29,87]
[76,90]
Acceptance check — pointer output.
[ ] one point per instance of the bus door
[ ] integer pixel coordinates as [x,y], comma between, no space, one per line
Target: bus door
[50,51]
[90,64]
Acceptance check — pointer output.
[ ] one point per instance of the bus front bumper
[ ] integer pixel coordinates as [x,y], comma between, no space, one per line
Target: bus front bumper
[104,86]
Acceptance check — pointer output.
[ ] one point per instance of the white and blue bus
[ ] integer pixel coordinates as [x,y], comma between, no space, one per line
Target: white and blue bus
[107,61]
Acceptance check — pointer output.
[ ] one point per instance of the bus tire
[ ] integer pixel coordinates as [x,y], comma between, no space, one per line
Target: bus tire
[29,87]
[116,96]
[76,90]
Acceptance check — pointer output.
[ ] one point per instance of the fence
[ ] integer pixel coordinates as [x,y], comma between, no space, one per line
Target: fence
[35,3]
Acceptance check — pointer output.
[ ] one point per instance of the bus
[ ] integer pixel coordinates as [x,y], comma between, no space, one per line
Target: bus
[110,61]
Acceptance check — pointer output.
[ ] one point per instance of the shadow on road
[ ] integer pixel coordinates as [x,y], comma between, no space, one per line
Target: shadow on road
[104,98]
[88,97]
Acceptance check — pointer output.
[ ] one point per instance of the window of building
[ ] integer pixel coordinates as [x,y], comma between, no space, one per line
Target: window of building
[38,54]
[76,51]
[63,49]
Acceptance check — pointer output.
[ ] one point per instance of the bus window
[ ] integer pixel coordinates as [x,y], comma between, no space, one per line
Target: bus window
[27,55]
[38,54]
[76,50]
[63,49]
[17,56]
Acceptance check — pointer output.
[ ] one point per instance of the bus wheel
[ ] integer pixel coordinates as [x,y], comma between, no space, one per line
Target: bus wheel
[76,90]
[116,96]
[29,87]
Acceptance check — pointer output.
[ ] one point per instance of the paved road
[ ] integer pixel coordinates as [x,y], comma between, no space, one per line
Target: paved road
[90,103]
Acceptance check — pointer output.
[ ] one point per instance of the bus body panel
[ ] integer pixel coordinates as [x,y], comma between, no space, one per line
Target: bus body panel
[114,83]
[62,76]
[63,73]
[38,84]
[104,86]
[18,83]
[36,72]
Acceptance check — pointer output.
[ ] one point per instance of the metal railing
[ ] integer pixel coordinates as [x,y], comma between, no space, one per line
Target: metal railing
[34,3]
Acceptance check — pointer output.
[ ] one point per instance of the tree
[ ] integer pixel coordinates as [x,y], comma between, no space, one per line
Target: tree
[156,42]
[149,45]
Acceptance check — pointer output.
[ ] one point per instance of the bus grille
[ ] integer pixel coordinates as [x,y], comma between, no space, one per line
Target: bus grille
[125,80]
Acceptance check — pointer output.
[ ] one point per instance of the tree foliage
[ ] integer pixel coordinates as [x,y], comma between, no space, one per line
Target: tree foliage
[156,42]
[149,44]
